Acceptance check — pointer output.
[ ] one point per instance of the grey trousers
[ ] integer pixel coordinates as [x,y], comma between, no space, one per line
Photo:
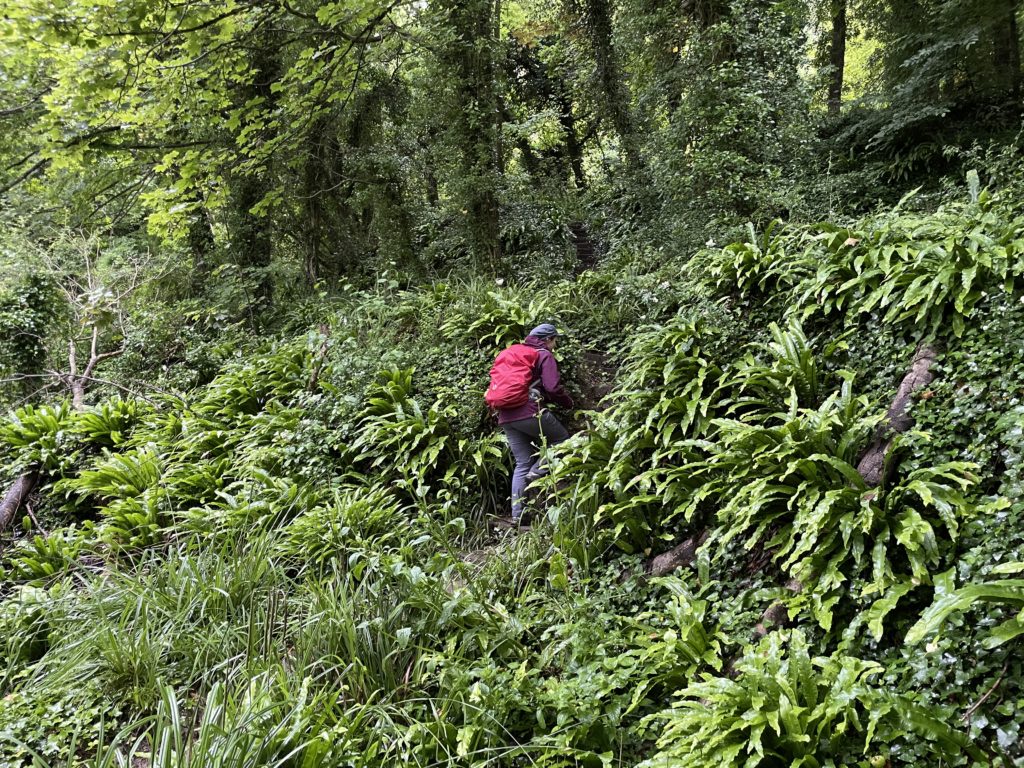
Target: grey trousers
[525,438]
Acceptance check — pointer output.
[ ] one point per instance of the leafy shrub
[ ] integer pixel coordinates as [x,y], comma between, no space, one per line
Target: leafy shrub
[792,380]
[501,318]
[357,519]
[43,556]
[670,391]
[126,487]
[918,271]
[787,708]
[670,386]
[914,271]
[55,725]
[396,436]
[39,436]
[108,424]
[24,624]
[793,487]
[760,266]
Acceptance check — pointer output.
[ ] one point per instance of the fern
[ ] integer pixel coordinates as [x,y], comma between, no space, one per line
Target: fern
[43,557]
[1004,593]
[109,423]
[762,265]
[356,520]
[917,271]
[786,708]
[793,487]
[396,435]
[39,437]
[632,469]
[791,381]
[501,318]
[126,486]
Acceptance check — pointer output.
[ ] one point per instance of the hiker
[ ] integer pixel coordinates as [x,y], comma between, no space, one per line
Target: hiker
[525,377]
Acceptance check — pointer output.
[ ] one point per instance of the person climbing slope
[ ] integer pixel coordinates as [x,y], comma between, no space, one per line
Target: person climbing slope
[524,378]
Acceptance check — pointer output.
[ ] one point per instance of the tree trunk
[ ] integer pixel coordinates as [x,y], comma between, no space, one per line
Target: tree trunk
[573,146]
[470,59]
[872,466]
[200,243]
[837,57]
[16,496]
[251,237]
[1007,49]
[598,21]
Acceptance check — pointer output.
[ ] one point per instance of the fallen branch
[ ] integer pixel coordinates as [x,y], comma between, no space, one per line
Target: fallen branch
[684,554]
[872,466]
[15,496]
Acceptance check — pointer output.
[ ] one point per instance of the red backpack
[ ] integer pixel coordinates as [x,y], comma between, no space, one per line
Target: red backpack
[511,376]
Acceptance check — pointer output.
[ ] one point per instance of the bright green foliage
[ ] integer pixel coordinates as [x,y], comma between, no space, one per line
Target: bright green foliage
[669,389]
[127,486]
[788,708]
[23,619]
[792,381]
[38,436]
[1005,593]
[759,266]
[302,231]
[109,423]
[397,436]
[501,319]
[791,485]
[669,393]
[909,270]
[54,727]
[44,556]
[918,271]
[332,536]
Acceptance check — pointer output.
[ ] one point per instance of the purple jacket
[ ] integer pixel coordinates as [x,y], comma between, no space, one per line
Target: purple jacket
[547,382]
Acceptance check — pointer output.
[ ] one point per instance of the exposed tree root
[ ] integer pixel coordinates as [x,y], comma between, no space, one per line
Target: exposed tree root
[872,466]
[684,554]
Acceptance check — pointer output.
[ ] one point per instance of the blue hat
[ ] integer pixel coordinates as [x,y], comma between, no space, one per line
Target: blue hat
[544,331]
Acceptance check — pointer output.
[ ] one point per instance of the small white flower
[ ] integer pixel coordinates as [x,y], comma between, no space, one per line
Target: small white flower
[500,280]
[710,243]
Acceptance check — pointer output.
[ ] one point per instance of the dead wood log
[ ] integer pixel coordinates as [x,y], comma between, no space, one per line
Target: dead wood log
[15,496]
[681,555]
[872,466]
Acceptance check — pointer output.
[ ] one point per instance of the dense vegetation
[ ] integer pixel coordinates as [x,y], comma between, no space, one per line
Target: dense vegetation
[256,260]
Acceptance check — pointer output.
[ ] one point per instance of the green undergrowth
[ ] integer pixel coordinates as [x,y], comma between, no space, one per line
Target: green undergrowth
[291,564]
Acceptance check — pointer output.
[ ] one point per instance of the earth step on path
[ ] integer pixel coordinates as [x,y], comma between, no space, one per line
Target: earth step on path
[587,252]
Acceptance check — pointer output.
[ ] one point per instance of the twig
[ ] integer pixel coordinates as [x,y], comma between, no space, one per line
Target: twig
[56,375]
[967,715]
[35,522]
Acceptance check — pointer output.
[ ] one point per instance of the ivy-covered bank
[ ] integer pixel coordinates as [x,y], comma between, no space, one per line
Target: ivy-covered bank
[291,564]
